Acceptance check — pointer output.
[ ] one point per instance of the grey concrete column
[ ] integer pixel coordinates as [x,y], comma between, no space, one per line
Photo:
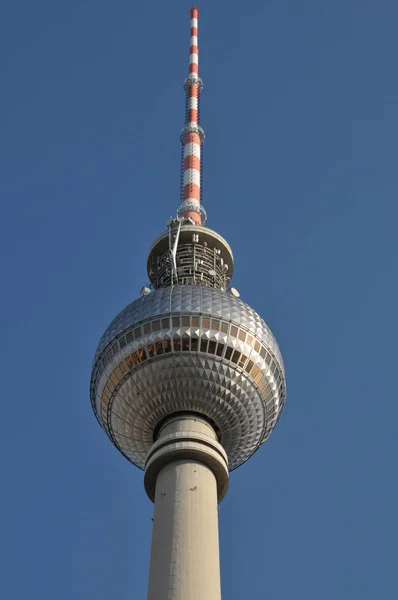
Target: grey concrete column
[186,476]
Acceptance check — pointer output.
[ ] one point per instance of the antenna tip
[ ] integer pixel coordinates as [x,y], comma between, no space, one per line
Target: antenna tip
[194,12]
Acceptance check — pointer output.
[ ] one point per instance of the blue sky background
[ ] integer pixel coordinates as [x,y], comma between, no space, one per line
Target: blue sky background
[300,112]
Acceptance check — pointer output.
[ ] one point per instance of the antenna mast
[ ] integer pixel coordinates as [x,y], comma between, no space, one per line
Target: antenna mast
[192,135]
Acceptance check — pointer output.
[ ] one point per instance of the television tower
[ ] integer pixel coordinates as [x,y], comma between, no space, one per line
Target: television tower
[188,380]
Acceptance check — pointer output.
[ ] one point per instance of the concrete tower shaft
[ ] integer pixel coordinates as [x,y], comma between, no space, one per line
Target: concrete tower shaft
[186,476]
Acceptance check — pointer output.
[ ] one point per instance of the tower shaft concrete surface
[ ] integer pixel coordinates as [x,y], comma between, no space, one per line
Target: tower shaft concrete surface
[185,563]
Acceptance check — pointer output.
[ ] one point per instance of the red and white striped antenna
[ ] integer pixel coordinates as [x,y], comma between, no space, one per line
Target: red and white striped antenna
[192,135]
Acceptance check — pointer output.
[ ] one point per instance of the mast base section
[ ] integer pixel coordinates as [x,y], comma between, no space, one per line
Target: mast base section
[192,205]
[198,256]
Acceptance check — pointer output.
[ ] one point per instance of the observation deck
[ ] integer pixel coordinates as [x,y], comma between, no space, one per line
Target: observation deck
[188,348]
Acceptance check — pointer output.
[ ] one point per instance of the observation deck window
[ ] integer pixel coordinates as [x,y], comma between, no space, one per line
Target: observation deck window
[203,345]
[228,352]
[185,344]
[258,377]
[123,369]
[159,348]
[137,333]
[185,321]
[176,321]
[167,346]
[254,371]
[212,347]
[194,344]
[242,335]
[205,323]
[249,366]
[262,384]
[220,349]
[129,337]
[195,322]
[122,341]
[215,324]
[151,350]
[177,345]
[147,328]
[166,323]
[235,357]
[234,331]
[156,325]
[242,361]
[224,327]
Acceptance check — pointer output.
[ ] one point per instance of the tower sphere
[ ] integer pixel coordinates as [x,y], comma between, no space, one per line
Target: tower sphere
[188,348]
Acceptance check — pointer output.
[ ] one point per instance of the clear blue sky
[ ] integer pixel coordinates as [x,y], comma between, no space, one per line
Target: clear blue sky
[300,112]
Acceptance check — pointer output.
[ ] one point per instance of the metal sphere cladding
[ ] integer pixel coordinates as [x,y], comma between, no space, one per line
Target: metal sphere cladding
[191,346]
